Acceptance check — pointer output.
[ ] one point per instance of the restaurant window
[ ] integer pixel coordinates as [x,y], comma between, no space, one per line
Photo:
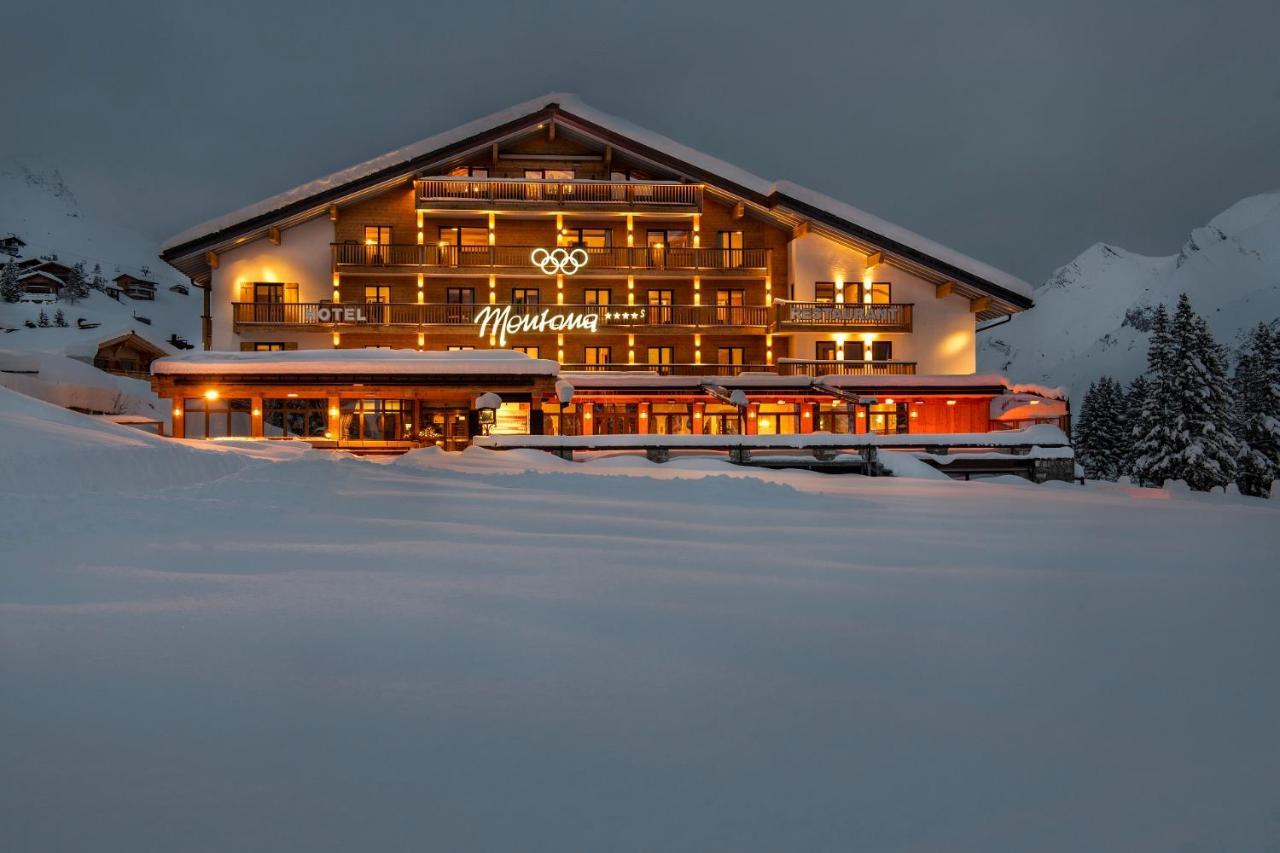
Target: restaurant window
[729,305]
[560,419]
[511,419]
[882,350]
[661,355]
[778,419]
[220,418]
[592,238]
[377,420]
[268,346]
[460,348]
[525,295]
[670,419]
[730,243]
[532,352]
[824,350]
[377,235]
[888,418]
[597,296]
[295,417]
[616,418]
[834,417]
[597,355]
[824,291]
[721,419]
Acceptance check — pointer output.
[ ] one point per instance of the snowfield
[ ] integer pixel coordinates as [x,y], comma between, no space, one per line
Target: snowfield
[250,646]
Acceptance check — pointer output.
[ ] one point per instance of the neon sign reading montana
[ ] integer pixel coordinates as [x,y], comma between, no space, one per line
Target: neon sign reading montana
[502,322]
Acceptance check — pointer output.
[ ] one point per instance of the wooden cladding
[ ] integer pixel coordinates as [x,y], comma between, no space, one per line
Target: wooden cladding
[462,193]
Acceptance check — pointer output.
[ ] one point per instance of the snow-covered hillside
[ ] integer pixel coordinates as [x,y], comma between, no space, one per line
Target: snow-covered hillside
[1091,317]
[39,206]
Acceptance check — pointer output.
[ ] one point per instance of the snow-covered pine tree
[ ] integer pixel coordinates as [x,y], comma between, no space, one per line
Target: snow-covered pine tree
[1204,448]
[1153,428]
[1134,398]
[1257,381]
[76,287]
[1100,441]
[43,320]
[10,289]
[96,279]
[60,319]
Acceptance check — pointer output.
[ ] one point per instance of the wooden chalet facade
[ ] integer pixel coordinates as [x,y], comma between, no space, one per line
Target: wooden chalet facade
[585,242]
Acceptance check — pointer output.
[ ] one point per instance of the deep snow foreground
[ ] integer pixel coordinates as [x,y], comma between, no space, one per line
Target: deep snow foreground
[298,651]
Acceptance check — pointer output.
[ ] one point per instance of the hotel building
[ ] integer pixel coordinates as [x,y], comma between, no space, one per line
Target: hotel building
[650,278]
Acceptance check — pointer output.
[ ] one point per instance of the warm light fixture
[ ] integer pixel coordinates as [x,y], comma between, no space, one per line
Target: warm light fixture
[211,394]
[177,413]
[951,402]
[888,401]
[1035,402]
[291,394]
[915,414]
[782,402]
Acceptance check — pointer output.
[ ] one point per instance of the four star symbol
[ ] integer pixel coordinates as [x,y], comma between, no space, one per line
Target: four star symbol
[623,315]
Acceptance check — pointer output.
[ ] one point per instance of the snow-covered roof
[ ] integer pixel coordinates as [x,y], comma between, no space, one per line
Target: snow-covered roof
[574,107]
[41,274]
[357,361]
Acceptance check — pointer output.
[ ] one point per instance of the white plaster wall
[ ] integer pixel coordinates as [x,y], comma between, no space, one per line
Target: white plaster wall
[303,256]
[943,340]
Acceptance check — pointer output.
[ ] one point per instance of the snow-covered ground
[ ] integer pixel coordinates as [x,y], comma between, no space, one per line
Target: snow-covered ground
[251,646]
[1091,317]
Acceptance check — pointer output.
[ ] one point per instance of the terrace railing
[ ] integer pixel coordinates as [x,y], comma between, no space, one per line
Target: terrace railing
[519,257]
[522,192]
[842,316]
[819,367]
[706,317]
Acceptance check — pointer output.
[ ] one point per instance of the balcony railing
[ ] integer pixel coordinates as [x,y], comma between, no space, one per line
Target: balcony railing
[635,317]
[842,316]
[818,367]
[682,369]
[612,258]
[521,192]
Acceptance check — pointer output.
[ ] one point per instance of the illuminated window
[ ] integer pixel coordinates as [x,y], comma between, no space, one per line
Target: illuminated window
[596,296]
[526,295]
[469,172]
[464,235]
[264,346]
[377,294]
[597,355]
[669,238]
[549,174]
[825,350]
[660,306]
[661,355]
[730,243]
[295,418]
[824,291]
[377,235]
[460,348]
[730,355]
[879,291]
[532,352]
[592,238]
[219,418]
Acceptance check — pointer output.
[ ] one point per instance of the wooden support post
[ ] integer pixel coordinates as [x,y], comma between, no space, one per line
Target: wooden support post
[875,258]
[982,303]
[273,234]
[551,131]
[801,229]
[211,258]
[944,290]
[608,162]
[333,213]
[493,156]
[256,423]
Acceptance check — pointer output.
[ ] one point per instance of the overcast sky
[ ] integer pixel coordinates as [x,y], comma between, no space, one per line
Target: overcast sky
[1017,131]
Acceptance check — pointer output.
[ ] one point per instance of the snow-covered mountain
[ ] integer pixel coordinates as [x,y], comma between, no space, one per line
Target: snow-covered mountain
[1092,316]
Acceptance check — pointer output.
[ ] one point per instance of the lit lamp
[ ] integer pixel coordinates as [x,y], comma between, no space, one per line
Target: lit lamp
[487,406]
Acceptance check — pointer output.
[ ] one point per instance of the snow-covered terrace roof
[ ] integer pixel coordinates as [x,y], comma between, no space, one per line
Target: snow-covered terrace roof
[784,195]
[355,361]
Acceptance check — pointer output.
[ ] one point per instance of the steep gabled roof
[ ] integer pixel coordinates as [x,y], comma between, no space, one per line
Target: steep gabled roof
[782,197]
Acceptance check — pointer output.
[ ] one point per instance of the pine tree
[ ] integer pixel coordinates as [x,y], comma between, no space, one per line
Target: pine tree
[1134,398]
[1100,441]
[10,287]
[1207,452]
[1152,429]
[59,319]
[75,287]
[1257,382]
[43,321]
[96,279]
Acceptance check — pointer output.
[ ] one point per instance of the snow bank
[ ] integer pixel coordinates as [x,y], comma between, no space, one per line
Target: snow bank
[1041,435]
[67,382]
[406,361]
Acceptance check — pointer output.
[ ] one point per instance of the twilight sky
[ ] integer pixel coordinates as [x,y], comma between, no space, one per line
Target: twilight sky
[1019,132]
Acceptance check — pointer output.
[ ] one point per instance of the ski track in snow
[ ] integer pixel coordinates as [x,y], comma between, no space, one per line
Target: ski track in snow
[492,651]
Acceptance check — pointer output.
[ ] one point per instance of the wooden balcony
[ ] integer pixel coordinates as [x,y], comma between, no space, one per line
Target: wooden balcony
[633,318]
[447,260]
[817,367]
[683,369]
[842,317]
[442,193]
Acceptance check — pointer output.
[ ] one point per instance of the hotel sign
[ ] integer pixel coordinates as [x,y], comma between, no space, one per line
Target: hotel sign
[559,261]
[340,314]
[500,322]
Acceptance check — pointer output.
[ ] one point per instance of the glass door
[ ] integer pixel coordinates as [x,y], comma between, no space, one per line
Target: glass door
[446,428]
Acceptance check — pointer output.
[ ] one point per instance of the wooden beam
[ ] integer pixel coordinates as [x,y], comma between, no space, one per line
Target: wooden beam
[551,131]
[608,160]
[875,258]
[273,234]
[945,289]
[801,229]
[982,303]
[739,210]
[333,213]
[211,258]
[493,168]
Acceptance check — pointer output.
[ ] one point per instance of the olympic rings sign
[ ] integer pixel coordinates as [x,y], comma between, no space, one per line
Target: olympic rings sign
[556,261]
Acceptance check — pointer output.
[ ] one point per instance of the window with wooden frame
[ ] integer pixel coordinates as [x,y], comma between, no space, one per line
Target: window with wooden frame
[730,355]
[597,296]
[526,296]
[730,244]
[217,418]
[597,355]
[532,352]
[460,348]
[729,304]
[882,350]
[463,235]
[661,355]
[824,291]
[591,238]
[669,238]
[469,172]
[377,235]
[876,292]
[824,350]
[377,294]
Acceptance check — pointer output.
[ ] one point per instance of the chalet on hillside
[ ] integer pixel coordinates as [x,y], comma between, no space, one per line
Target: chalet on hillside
[124,353]
[134,287]
[11,245]
[39,281]
[54,268]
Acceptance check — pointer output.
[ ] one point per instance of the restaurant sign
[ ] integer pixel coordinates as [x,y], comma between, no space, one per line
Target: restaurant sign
[846,313]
